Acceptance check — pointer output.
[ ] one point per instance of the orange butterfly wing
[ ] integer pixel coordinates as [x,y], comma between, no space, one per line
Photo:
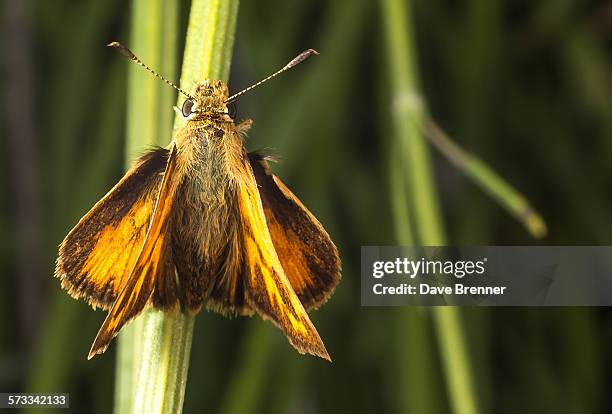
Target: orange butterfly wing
[96,257]
[306,252]
[153,266]
[267,288]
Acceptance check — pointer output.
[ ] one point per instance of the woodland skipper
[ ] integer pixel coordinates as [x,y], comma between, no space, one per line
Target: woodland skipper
[202,222]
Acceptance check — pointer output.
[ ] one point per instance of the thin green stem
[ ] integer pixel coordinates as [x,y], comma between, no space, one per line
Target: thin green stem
[453,348]
[414,379]
[149,117]
[408,116]
[163,351]
[154,351]
[487,179]
[404,233]
[408,110]
[210,42]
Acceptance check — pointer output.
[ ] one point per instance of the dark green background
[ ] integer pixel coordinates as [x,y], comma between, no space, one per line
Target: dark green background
[524,85]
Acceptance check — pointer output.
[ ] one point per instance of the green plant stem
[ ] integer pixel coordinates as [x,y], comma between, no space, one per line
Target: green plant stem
[154,352]
[487,179]
[408,116]
[210,42]
[415,376]
[453,348]
[149,122]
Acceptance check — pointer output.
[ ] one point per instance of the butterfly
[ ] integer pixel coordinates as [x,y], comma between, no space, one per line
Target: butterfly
[202,223]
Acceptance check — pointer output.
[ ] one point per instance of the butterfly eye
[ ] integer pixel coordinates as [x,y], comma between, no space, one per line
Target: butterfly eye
[187,107]
[232,110]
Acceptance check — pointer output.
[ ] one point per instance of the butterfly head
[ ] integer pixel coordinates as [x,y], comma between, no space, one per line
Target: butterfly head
[208,97]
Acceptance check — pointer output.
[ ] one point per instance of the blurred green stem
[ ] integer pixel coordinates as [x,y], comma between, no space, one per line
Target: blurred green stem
[488,180]
[154,350]
[408,116]
[453,348]
[149,122]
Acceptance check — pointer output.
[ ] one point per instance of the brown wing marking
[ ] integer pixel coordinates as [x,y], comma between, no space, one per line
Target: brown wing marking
[267,289]
[308,255]
[97,255]
[153,264]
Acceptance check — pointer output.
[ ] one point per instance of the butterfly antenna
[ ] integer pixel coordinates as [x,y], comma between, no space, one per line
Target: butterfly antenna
[128,54]
[294,62]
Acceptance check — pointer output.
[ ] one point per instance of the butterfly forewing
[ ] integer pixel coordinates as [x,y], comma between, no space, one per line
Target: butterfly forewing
[97,256]
[308,256]
[153,266]
[267,288]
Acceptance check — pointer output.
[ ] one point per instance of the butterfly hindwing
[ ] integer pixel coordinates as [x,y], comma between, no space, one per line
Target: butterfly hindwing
[97,255]
[267,288]
[153,267]
[306,252]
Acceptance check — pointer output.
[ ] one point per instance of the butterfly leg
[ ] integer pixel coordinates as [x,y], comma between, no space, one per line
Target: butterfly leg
[244,126]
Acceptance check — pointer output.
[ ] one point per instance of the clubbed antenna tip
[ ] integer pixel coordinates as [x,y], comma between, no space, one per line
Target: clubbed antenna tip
[300,58]
[123,50]
[295,61]
[130,55]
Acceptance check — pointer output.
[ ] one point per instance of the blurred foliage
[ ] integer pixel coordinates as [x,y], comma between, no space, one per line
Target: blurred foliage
[524,86]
